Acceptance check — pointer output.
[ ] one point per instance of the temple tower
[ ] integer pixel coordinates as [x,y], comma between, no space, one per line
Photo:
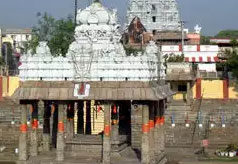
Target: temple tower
[156,15]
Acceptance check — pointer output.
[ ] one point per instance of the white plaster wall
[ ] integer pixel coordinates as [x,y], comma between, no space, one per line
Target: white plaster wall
[207,67]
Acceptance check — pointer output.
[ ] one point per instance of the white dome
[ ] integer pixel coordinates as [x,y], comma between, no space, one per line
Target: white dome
[94,14]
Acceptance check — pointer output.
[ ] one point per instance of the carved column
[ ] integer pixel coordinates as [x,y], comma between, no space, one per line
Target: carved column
[34,131]
[23,151]
[145,150]
[60,134]
[157,130]
[151,133]
[189,92]
[70,122]
[107,135]
[162,122]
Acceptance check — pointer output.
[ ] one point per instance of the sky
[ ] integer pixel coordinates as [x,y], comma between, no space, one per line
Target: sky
[212,15]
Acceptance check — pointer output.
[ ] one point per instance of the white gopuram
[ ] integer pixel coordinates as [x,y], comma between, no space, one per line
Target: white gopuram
[95,55]
[155,15]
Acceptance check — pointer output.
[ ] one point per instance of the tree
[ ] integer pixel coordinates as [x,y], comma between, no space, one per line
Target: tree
[232,62]
[58,33]
[205,40]
[227,34]
[234,43]
[7,56]
[174,58]
[62,36]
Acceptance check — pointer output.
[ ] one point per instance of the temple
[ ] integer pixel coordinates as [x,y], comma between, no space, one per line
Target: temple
[97,101]
[155,15]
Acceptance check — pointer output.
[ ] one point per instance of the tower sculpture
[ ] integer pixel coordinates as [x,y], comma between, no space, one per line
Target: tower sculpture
[156,15]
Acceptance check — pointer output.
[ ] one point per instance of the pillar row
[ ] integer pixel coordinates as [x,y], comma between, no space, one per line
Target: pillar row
[107,135]
[145,144]
[23,155]
[151,133]
[70,121]
[34,129]
[60,134]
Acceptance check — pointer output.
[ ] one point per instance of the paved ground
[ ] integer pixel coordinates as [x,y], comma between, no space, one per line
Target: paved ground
[216,162]
[175,156]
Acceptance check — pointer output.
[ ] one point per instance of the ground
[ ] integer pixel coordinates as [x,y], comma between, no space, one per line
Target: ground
[175,156]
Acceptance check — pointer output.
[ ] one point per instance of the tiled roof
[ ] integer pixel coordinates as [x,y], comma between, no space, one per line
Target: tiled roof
[42,90]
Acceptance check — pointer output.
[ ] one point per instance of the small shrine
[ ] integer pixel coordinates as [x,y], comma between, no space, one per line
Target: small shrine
[95,101]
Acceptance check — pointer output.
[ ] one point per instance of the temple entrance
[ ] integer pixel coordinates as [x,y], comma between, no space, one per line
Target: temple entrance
[125,117]
[85,127]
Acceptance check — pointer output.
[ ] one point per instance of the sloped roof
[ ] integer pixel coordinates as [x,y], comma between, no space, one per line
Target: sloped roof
[42,90]
[180,76]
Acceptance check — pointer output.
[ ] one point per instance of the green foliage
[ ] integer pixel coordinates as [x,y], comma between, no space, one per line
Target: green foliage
[8,57]
[174,58]
[232,62]
[205,40]
[131,50]
[58,33]
[234,43]
[2,63]
[227,34]
[62,36]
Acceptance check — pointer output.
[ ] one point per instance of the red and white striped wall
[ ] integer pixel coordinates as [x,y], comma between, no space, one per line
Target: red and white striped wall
[194,53]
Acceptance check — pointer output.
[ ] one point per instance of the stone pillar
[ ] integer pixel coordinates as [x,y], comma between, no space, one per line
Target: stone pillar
[46,126]
[151,133]
[162,121]
[52,123]
[23,152]
[157,130]
[60,134]
[34,131]
[115,123]
[189,94]
[70,122]
[107,135]
[145,151]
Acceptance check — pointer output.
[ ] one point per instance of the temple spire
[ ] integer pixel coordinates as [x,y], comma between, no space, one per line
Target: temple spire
[159,15]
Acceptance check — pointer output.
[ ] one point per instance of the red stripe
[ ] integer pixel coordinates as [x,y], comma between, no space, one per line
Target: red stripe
[145,128]
[107,130]
[151,124]
[23,128]
[35,124]
[180,47]
[162,121]
[61,127]
[198,88]
[216,59]
[198,48]
[208,59]
[157,120]
[226,89]
[186,59]
[200,59]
